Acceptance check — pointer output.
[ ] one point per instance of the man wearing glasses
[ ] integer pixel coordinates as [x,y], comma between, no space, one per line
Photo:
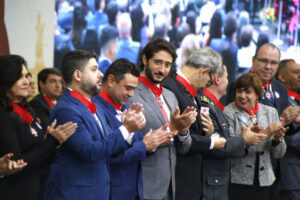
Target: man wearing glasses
[193,76]
[265,64]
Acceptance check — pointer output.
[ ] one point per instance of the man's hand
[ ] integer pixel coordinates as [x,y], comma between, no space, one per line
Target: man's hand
[208,126]
[8,166]
[182,123]
[219,142]
[133,119]
[290,114]
[253,135]
[160,137]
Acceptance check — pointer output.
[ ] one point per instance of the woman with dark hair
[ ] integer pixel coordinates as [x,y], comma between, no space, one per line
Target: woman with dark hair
[252,175]
[22,134]
[215,26]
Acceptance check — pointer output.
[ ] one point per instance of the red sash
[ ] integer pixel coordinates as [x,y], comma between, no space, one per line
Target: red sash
[22,112]
[89,104]
[214,99]
[107,98]
[187,86]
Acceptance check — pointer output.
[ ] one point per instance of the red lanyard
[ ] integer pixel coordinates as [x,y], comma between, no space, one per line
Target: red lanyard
[253,111]
[294,94]
[107,98]
[22,112]
[214,99]
[49,101]
[89,104]
[156,90]
[187,86]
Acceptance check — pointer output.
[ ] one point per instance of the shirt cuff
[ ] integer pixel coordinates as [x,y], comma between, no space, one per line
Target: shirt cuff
[126,135]
[212,143]
[182,138]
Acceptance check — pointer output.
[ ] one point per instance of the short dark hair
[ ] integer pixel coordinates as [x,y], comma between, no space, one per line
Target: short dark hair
[108,34]
[43,75]
[155,46]
[282,66]
[75,60]
[121,67]
[248,80]
[246,35]
[267,44]
[230,25]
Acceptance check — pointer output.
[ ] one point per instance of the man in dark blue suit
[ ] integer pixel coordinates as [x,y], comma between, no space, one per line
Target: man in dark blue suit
[119,83]
[80,170]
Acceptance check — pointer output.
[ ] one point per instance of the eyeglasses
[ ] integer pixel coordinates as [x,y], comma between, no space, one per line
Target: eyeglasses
[210,82]
[265,61]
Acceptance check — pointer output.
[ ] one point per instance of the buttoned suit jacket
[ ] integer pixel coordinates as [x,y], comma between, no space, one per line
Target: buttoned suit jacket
[125,167]
[216,163]
[81,167]
[159,166]
[42,109]
[243,168]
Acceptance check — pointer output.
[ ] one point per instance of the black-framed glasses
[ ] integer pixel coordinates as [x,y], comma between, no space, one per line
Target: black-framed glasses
[265,61]
[210,82]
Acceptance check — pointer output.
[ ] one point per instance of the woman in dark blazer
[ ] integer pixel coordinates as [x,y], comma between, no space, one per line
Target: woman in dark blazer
[252,175]
[21,133]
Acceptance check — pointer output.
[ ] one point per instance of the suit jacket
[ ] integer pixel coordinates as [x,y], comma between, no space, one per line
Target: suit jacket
[216,163]
[159,166]
[42,109]
[243,169]
[125,167]
[17,138]
[290,163]
[189,166]
[80,170]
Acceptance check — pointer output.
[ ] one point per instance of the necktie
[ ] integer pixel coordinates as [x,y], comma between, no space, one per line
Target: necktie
[160,104]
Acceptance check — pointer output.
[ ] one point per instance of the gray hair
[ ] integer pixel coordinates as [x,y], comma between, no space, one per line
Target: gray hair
[206,57]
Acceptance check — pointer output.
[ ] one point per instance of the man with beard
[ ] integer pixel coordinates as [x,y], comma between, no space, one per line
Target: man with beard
[196,74]
[80,170]
[119,83]
[161,109]
[288,73]
[50,86]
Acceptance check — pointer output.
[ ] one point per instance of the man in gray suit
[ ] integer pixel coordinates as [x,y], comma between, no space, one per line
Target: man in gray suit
[161,109]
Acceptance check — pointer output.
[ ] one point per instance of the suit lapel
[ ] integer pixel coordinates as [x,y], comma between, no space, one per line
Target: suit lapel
[148,96]
[86,112]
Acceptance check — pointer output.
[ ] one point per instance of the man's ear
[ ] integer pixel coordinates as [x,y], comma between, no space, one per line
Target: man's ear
[217,79]
[41,84]
[110,81]
[281,78]
[144,59]
[77,75]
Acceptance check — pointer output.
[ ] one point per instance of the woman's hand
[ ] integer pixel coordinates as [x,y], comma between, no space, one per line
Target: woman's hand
[276,129]
[61,132]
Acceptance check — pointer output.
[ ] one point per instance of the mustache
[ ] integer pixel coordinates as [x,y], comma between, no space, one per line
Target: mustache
[160,73]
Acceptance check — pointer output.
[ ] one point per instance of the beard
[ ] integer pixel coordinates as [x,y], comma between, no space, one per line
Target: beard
[90,88]
[150,76]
